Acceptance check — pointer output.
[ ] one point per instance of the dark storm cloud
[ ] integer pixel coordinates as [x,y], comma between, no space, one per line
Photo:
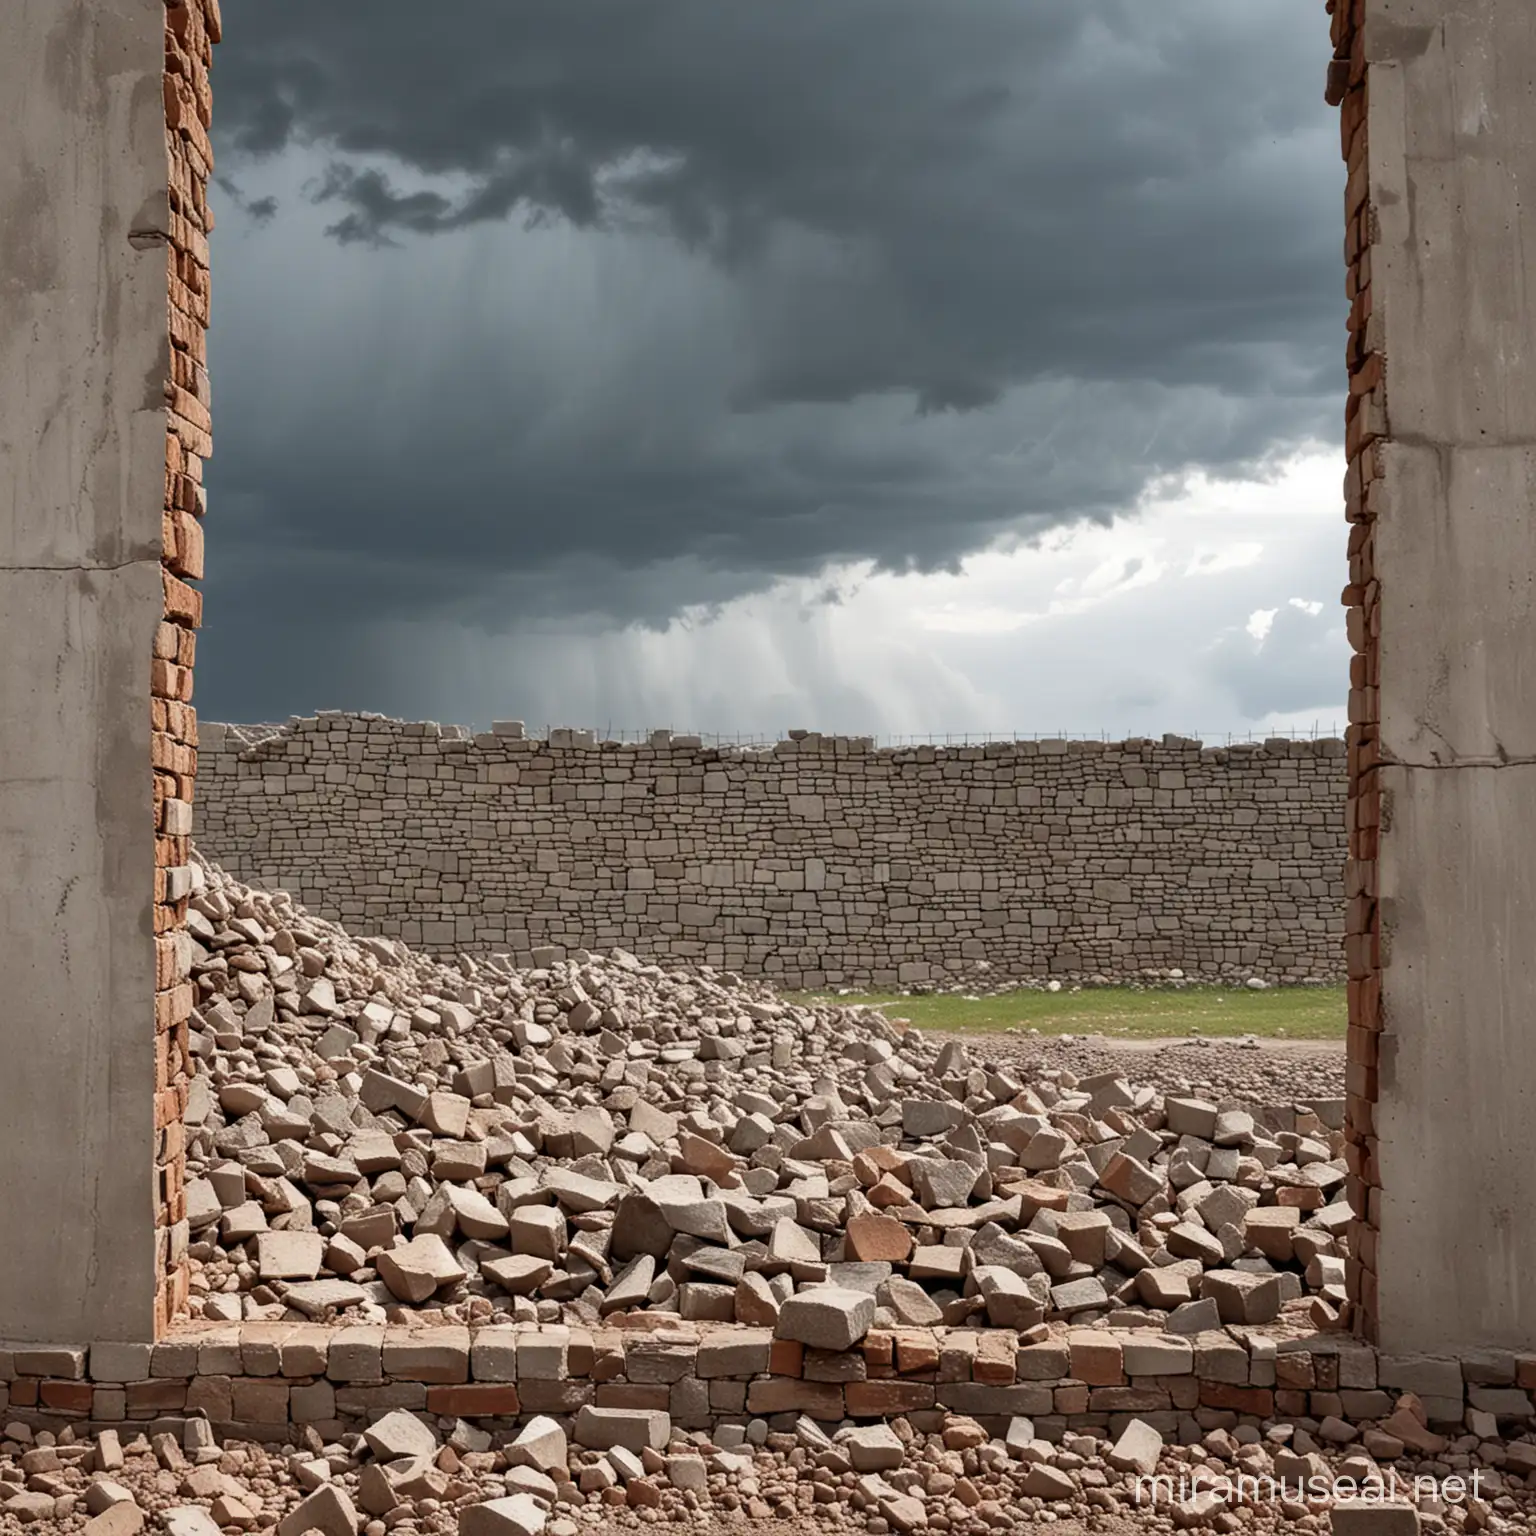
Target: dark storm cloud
[544,185]
[1020,187]
[977,267]
[259,210]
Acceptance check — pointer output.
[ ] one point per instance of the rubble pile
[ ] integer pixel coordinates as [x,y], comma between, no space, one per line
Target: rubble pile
[1244,1069]
[371,1131]
[412,1473]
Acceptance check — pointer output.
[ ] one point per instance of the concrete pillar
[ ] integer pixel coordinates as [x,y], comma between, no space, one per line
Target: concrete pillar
[95,774]
[1440,125]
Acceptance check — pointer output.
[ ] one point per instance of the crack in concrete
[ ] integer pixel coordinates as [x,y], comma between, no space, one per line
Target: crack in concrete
[1420,440]
[120,565]
[1504,760]
[1501,757]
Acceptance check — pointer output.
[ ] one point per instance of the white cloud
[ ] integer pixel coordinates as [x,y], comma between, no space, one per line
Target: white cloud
[1212,562]
[955,619]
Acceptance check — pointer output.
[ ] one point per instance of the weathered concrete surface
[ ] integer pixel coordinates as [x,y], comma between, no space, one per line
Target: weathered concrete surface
[1452,142]
[83,357]
[1457,1112]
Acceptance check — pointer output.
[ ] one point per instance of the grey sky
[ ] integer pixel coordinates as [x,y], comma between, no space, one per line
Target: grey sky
[545,319]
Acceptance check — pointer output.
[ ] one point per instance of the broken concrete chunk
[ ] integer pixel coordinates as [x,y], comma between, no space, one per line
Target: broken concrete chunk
[327,1510]
[1242,1297]
[520,1514]
[400,1434]
[417,1269]
[633,1429]
[1137,1449]
[873,1448]
[289,1255]
[826,1317]
[1190,1117]
[540,1443]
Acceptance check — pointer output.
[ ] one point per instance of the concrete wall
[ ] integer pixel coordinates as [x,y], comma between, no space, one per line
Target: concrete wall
[1452,174]
[83,351]
[85,364]
[817,862]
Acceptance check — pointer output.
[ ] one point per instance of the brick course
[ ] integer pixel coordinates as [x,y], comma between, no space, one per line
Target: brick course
[269,1380]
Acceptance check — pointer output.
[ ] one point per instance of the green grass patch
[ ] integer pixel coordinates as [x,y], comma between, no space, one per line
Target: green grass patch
[1144,1013]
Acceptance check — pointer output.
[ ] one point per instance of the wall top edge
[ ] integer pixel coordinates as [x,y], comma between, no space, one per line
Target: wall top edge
[217,736]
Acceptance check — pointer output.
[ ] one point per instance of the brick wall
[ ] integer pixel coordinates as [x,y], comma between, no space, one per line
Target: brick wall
[192,27]
[1365,429]
[267,1380]
[819,862]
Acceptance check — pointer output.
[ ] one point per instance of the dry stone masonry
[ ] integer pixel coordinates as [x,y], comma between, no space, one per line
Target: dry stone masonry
[822,861]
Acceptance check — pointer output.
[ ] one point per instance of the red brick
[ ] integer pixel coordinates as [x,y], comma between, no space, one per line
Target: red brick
[879,1348]
[163,1395]
[783,1394]
[995,1356]
[1255,1400]
[786,1358]
[485,1399]
[876,1398]
[916,1352]
[66,1396]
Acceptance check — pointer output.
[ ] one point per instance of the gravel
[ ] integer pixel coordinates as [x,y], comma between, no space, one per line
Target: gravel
[800,1477]
[1263,1072]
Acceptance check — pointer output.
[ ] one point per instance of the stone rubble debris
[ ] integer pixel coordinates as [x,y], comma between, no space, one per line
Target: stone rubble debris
[375,1136]
[373,1132]
[925,1471]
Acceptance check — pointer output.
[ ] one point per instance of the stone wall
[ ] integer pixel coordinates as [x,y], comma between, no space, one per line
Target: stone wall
[821,861]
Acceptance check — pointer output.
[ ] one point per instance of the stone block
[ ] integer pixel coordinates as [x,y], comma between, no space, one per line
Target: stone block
[599,1429]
